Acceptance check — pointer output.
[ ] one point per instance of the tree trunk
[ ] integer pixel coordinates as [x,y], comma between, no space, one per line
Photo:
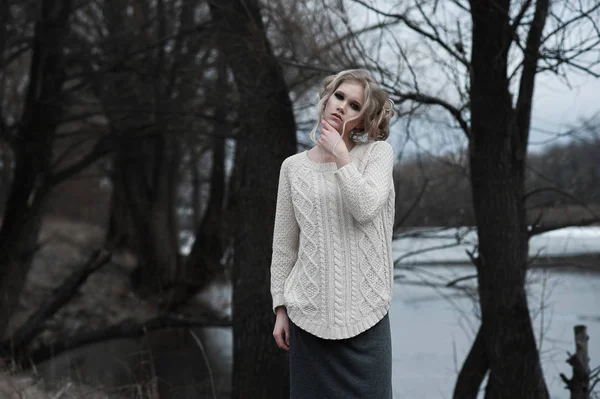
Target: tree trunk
[143,206]
[32,155]
[473,371]
[497,148]
[260,369]
[579,384]
[141,217]
[204,261]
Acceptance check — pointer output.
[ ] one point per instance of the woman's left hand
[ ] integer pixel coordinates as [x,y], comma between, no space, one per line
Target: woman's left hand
[331,138]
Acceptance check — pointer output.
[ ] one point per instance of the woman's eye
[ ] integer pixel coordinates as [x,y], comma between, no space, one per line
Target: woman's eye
[339,96]
[355,107]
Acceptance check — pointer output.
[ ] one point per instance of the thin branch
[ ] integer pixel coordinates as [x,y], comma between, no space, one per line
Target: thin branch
[517,20]
[422,251]
[14,55]
[452,283]
[455,112]
[103,147]
[530,61]
[210,373]
[307,67]
[412,206]
[536,230]
[539,229]
[354,34]
[560,60]
[561,27]
[414,27]
[76,144]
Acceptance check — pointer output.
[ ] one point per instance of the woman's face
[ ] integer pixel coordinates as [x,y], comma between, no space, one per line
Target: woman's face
[344,104]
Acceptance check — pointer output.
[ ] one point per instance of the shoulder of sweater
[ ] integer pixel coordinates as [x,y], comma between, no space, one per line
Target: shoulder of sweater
[367,149]
[293,158]
[379,144]
[384,145]
[291,161]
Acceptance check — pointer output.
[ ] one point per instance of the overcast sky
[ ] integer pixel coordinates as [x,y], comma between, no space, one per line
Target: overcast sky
[557,106]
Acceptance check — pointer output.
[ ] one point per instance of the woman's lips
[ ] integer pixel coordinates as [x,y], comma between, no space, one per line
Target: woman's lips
[336,116]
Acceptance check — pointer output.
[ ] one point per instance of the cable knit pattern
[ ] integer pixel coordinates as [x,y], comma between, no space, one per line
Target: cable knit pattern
[332,265]
[336,252]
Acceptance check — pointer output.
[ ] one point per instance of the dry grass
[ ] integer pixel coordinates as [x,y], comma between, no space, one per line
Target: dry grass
[27,387]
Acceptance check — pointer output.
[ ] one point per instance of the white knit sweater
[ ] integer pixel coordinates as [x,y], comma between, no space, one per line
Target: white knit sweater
[332,264]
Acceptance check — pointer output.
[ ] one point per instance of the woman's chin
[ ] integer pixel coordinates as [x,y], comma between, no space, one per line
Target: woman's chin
[335,123]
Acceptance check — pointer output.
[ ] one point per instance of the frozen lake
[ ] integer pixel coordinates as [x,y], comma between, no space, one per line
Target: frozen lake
[414,246]
[433,328]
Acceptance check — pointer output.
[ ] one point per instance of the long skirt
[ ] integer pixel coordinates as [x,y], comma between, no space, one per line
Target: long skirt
[355,368]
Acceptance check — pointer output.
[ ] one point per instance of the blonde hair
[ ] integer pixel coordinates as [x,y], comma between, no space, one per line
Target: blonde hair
[377,111]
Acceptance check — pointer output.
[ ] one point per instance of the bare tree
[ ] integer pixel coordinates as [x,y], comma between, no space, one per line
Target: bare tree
[31,145]
[146,67]
[203,263]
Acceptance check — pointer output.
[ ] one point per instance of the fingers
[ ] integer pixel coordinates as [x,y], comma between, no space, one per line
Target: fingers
[326,127]
[282,342]
[287,337]
[281,332]
[324,138]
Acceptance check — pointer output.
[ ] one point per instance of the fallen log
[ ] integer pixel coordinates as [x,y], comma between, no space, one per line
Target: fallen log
[34,325]
[128,328]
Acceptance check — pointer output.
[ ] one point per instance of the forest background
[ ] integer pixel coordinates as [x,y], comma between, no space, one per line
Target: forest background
[140,145]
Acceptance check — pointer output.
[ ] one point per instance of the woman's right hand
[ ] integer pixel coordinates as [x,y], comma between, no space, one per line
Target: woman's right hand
[281,332]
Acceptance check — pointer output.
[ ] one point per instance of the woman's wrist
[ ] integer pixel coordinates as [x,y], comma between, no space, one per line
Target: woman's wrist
[280,309]
[342,160]
[341,154]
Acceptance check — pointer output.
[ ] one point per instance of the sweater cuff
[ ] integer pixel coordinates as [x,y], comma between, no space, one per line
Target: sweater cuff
[278,300]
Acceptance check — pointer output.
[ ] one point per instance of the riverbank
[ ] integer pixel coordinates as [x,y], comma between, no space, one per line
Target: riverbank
[575,262]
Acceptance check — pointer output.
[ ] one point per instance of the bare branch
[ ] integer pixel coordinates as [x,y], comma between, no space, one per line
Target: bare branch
[126,329]
[460,5]
[565,24]
[398,260]
[517,20]
[531,54]
[539,229]
[452,283]
[412,206]
[59,296]
[536,230]
[426,99]
[433,36]
[14,55]
[102,148]
[305,66]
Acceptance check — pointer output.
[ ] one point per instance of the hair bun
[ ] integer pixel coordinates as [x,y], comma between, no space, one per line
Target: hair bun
[388,106]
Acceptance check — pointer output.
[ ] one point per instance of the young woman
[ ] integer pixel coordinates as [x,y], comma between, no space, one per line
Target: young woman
[332,268]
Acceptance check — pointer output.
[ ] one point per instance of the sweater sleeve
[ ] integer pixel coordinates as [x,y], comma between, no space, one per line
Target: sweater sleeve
[365,194]
[285,237]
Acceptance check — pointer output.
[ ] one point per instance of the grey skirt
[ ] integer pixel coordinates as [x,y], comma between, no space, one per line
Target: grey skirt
[354,368]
